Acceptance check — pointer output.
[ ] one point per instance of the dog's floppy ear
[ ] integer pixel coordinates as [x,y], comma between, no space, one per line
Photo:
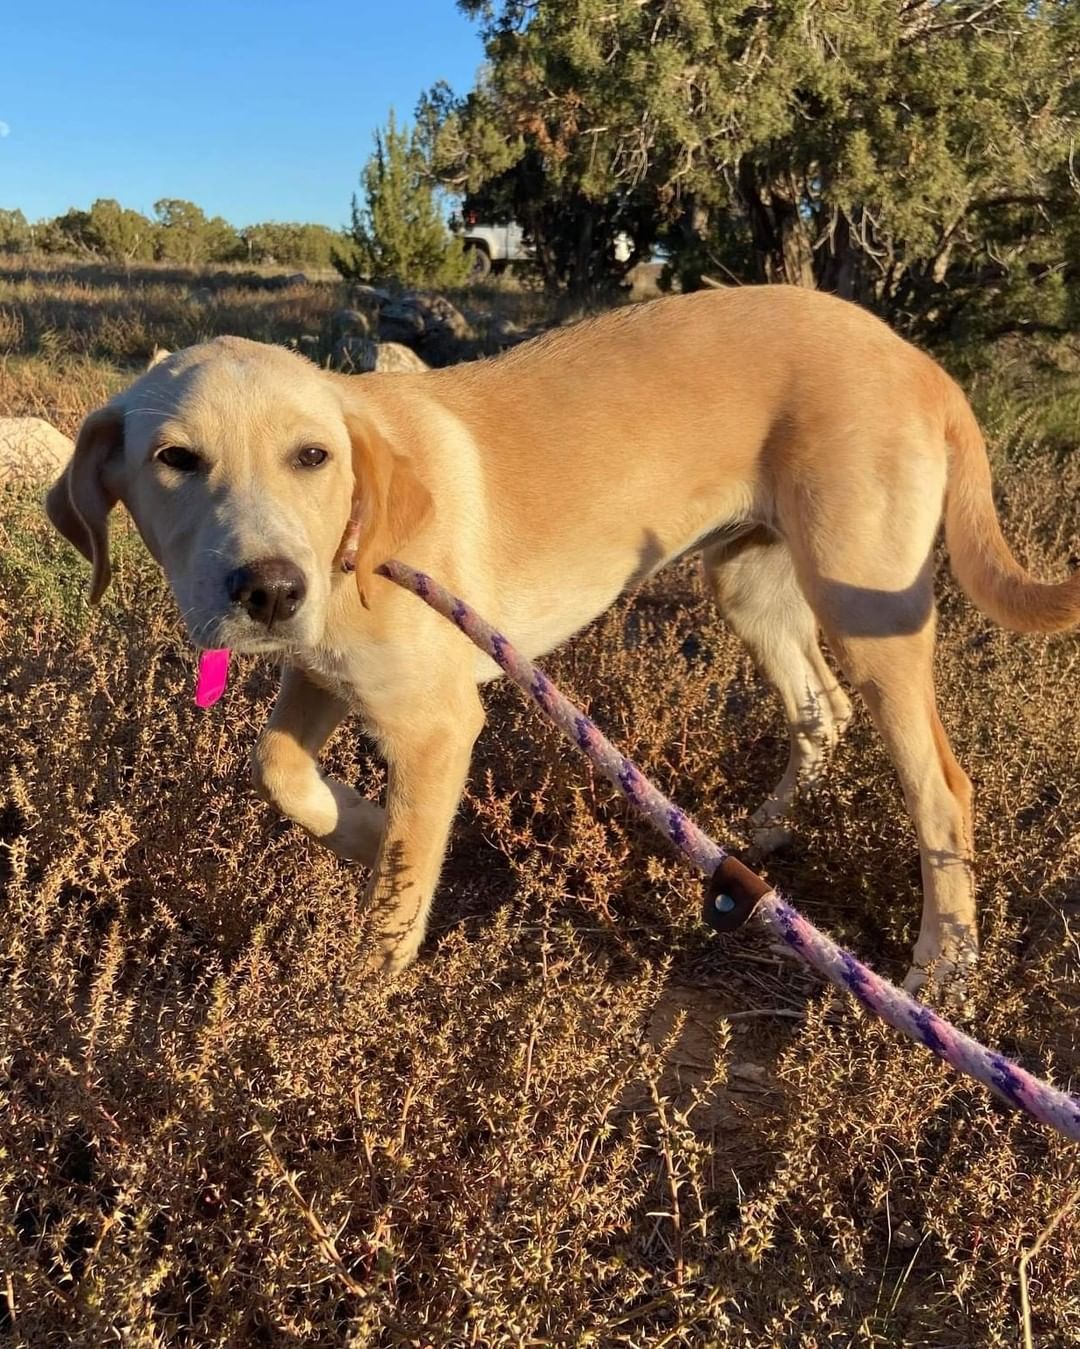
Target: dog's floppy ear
[389,504]
[80,500]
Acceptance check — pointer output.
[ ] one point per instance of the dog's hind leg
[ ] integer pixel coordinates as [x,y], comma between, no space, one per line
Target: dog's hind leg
[753,581]
[894,676]
[864,556]
[285,771]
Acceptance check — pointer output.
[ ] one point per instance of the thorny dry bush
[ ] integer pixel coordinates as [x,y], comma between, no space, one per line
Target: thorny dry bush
[580,1119]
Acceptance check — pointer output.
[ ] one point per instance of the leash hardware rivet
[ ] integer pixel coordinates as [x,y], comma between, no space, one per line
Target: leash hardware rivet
[732,894]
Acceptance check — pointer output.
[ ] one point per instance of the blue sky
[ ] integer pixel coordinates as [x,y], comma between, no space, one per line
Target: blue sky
[256,111]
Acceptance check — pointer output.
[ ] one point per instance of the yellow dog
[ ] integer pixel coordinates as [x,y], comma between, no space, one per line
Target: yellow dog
[799,445]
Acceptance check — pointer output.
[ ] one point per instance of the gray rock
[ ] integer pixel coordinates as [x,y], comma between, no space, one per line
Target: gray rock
[392,356]
[354,355]
[31,450]
[505,331]
[439,315]
[369,298]
[350,323]
[360,355]
[749,1072]
[401,321]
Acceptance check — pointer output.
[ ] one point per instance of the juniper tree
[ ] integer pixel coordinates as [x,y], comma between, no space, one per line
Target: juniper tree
[399,234]
[186,234]
[15,232]
[912,153]
[119,233]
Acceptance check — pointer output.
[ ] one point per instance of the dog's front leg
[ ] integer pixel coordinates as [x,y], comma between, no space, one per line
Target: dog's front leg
[428,744]
[285,771]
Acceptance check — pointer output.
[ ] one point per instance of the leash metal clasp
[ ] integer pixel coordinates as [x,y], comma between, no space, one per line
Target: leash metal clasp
[732,893]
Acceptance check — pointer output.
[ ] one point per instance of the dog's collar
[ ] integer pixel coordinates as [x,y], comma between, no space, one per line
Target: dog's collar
[346,554]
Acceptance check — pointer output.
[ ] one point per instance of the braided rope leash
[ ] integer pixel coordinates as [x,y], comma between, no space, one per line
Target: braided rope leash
[1045,1102]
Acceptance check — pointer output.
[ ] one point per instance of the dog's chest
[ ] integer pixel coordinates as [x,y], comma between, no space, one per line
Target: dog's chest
[361,675]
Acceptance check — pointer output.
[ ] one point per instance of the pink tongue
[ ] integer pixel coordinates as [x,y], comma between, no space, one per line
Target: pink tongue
[213,676]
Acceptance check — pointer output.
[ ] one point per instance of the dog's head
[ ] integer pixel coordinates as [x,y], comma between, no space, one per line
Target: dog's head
[242,465]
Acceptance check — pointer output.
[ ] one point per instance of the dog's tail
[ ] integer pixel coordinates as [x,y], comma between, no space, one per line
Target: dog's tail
[980,558]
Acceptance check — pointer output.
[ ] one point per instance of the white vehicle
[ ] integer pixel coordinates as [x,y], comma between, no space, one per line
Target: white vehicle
[491,248]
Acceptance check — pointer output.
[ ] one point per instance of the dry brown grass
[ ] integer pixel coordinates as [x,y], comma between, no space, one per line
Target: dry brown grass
[73,333]
[212,1133]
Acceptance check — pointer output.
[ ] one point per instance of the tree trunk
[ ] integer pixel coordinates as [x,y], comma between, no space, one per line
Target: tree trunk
[780,237]
[838,271]
[796,253]
[582,267]
[762,235]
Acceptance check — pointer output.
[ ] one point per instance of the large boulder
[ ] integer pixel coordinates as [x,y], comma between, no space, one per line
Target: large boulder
[31,450]
[350,323]
[368,298]
[401,321]
[392,356]
[439,315]
[360,355]
[427,322]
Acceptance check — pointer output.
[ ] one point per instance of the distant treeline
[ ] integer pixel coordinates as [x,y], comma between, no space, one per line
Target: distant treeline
[178,231]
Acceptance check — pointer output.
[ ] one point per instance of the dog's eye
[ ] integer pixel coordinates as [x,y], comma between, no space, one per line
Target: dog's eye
[178,458]
[311,457]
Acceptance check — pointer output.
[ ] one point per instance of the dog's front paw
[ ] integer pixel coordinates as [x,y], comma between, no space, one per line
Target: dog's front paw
[768,832]
[770,838]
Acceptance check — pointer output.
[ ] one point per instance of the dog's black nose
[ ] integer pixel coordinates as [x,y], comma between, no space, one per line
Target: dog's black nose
[271,591]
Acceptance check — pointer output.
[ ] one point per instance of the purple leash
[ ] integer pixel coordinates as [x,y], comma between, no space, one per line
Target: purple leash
[735,892]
